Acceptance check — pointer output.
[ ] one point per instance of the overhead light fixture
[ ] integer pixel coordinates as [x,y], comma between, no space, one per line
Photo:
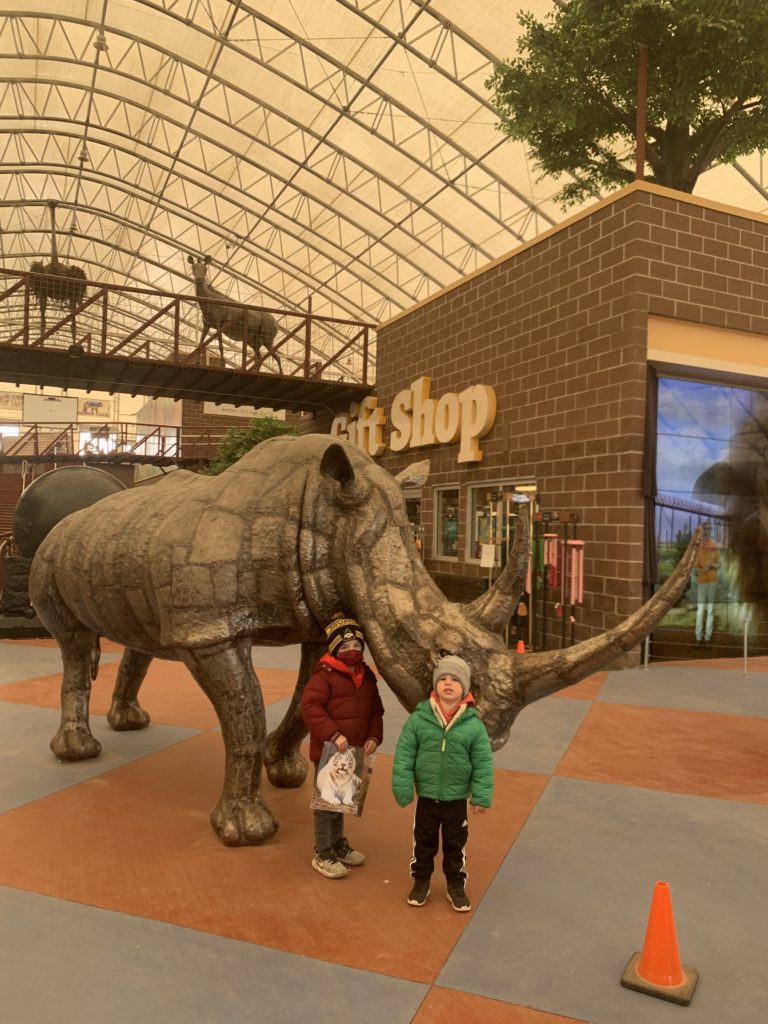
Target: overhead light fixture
[83,157]
[100,42]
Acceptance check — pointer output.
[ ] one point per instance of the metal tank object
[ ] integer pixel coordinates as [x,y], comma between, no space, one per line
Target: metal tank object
[53,496]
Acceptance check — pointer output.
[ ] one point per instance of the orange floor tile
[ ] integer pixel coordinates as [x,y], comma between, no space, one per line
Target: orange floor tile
[691,752]
[444,1006]
[587,689]
[169,693]
[149,851]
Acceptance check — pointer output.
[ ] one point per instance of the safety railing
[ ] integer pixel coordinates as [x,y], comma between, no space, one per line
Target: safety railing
[111,442]
[122,321]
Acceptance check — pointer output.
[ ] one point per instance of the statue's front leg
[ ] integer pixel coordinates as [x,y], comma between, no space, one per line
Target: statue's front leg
[286,766]
[225,673]
[126,712]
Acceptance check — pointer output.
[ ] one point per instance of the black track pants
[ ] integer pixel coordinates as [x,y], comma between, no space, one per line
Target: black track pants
[432,816]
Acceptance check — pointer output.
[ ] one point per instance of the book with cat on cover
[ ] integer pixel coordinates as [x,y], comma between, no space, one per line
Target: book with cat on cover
[342,780]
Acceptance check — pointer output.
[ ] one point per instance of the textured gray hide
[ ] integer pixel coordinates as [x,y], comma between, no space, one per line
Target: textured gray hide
[199,568]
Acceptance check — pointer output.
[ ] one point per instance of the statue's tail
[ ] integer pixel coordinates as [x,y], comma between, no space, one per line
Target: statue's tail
[95,657]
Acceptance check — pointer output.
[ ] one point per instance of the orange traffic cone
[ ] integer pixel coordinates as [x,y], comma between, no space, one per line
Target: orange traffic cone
[657,971]
[520,647]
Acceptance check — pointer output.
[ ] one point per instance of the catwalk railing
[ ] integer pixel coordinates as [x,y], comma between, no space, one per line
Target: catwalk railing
[115,320]
[110,442]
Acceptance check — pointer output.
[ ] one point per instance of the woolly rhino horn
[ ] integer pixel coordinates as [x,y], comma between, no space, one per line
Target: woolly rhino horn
[495,607]
[548,671]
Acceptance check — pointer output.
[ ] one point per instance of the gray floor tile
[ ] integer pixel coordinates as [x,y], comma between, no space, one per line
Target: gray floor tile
[30,770]
[19,662]
[277,657]
[275,712]
[662,686]
[541,735]
[570,904]
[125,969]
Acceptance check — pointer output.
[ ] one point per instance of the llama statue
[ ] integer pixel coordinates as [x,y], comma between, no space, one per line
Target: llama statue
[63,284]
[258,329]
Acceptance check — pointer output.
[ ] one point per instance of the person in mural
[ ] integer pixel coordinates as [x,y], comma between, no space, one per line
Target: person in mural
[705,572]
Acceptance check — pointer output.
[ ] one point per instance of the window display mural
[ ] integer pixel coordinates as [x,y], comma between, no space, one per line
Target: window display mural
[447,532]
[711,446]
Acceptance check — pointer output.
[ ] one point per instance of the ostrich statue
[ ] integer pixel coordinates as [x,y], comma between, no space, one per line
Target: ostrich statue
[257,328]
[64,284]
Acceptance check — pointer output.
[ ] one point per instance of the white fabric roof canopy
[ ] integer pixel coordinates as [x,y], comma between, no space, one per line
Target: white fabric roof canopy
[340,149]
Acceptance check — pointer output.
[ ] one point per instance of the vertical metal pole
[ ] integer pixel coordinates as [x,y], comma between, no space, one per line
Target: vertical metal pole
[544,583]
[26,308]
[647,651]
[307,338]
[507,528]
[104,313]
[642,104]
[747,617]
[564,587]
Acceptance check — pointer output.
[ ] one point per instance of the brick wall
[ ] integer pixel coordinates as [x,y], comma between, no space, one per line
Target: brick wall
[558,328]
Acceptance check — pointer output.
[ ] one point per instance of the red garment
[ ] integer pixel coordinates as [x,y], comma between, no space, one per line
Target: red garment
[338,699]
[448,715]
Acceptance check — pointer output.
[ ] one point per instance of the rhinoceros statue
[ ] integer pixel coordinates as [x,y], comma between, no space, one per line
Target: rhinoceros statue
[198,569]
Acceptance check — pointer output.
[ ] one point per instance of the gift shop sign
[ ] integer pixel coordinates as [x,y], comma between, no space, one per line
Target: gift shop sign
[417,420]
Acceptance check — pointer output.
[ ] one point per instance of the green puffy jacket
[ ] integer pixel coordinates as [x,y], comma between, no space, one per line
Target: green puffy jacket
[445,763]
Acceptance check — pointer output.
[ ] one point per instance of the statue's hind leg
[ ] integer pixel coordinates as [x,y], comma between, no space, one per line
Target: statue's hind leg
[80,657]
[286,766]
[126,712]
[74,740]
[226,675]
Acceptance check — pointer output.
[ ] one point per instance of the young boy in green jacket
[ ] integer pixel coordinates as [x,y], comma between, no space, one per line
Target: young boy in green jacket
[443,749]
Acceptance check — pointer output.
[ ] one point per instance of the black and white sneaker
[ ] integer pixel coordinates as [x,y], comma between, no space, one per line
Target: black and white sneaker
[458,898]
[419,893]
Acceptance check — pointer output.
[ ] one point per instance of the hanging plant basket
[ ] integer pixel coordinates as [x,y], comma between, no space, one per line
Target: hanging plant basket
[65,287]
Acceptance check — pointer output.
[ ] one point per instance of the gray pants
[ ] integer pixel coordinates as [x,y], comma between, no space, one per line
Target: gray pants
[705,597]
[329,828]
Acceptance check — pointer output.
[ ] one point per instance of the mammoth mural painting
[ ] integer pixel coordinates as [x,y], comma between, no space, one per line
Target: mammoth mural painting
[198,569]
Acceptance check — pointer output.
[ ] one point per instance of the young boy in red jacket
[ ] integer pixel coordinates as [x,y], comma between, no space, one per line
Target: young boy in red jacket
[340,705]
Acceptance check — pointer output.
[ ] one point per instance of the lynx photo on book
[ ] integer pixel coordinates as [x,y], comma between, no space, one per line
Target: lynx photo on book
[342,780]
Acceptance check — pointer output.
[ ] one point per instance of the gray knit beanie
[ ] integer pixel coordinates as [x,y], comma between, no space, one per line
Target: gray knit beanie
[453,665]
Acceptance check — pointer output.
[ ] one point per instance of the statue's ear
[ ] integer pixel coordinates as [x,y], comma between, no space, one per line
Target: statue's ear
[413,476]
[336,465]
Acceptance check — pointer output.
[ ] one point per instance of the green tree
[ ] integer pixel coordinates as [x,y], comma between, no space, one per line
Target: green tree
[239,440]
[571,93]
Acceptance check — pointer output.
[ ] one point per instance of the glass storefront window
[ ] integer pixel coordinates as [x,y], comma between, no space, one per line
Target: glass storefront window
[487,515]
[485,525]
[710,453]
[447,523]
[413,511]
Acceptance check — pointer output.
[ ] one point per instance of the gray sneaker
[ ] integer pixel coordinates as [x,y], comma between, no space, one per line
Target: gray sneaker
[345,853]
[326,862]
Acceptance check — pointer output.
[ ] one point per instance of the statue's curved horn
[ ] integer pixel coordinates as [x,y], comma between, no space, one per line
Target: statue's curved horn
[495,607]
[548,671]
[414,475]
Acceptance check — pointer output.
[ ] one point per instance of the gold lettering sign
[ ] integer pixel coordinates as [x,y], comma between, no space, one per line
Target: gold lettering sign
[417,420]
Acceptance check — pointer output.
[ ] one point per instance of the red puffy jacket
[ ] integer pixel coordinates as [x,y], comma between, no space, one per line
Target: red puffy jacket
[331,703]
